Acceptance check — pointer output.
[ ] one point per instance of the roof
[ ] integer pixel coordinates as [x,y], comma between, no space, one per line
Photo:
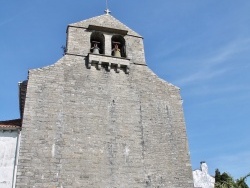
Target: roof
[107,21]
[14,124]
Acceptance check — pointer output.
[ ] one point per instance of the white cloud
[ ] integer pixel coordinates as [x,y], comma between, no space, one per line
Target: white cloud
[219,89]
[207,67]
[203,74]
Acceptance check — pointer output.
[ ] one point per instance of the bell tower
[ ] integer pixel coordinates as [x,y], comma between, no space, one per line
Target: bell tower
[99,117]
[105,41]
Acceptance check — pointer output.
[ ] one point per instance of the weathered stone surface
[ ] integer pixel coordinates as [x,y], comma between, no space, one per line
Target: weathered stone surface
[105,20]
[97,128]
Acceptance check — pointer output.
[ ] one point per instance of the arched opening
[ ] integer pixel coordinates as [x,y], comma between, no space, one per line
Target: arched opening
[97,42]
[118,46]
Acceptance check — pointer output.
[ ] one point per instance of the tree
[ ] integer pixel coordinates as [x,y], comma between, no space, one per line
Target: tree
[241,183]
[224,180]
[217,176]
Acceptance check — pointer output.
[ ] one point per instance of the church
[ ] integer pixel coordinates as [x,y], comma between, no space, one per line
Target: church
[97,118]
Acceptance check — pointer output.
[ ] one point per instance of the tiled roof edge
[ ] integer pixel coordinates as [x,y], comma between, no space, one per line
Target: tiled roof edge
[14,124]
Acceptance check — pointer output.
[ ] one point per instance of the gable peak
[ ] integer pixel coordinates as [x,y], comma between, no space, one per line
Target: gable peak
[105,20]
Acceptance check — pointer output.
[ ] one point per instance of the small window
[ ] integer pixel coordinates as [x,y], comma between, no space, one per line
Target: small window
[97,41]
[118,46]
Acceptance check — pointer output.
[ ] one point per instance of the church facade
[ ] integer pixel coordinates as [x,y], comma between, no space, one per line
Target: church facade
[99,117]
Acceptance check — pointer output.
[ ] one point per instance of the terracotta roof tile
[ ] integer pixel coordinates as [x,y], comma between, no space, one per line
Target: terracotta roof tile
[11,124]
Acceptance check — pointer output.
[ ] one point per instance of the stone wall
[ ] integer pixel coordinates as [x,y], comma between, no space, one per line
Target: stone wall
[93,128]
[78,43]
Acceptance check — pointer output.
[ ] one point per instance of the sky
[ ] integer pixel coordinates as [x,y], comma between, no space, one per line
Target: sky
[201,46]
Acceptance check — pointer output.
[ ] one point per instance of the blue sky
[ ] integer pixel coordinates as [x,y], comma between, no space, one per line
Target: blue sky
[203,47]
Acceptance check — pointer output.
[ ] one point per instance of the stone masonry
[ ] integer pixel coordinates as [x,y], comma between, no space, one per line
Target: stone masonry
[85,124]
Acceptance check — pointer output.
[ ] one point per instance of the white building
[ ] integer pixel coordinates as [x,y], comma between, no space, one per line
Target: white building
[9,139]
[202,179]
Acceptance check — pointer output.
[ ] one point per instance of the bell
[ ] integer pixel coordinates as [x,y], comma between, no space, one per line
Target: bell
[96,51]
[95,48]
[117,53]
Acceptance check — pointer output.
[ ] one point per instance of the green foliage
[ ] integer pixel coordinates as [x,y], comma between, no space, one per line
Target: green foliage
[224,180]
[217,176]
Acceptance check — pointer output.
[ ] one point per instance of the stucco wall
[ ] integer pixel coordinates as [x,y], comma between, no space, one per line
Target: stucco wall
[202,179]
[7,157]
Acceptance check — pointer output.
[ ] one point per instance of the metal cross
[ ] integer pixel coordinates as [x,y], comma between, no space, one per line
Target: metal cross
[107,9]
